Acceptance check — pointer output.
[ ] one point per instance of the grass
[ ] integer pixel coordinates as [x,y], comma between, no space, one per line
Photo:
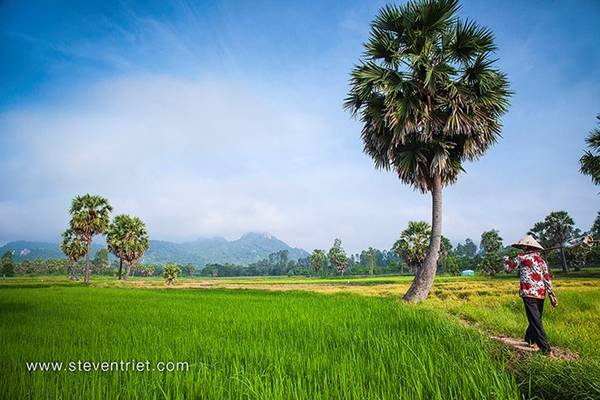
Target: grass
[250,344]
[285,342]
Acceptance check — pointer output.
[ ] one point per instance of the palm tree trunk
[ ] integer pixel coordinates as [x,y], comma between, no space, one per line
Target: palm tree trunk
[419,289]
[86,278]
[563,258]
[120,268]
[127,270]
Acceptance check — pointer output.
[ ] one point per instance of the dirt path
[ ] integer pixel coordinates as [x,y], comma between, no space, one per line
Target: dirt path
[521,347]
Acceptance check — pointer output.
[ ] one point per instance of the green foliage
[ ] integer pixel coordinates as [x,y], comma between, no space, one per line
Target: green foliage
[554,230]
[491,247]
[90,216]
[590,161]
[74,248]
[452,265]
[337,256]
[7,265]
[594,255]
[468,249]
[48,267]
[577,257]
[318,260]
[413,244]
[427,92]
[145,269]
[127,239]
[371,260]
[188,269]
[170,272]
[100,261]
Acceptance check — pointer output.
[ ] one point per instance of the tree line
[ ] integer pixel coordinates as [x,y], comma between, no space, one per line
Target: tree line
[405,257]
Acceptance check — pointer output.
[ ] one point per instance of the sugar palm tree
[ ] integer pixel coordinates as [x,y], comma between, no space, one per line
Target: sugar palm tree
[127,239]
[429,98]
[318,259]
[590,161]
[73,247]
[555,230]
[90,215]
[337,256]
[413,244]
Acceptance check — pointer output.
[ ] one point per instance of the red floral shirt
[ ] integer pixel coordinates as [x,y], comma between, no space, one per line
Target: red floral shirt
[534,275]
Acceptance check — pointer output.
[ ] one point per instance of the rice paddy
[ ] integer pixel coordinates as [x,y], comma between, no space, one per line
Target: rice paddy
[353,339]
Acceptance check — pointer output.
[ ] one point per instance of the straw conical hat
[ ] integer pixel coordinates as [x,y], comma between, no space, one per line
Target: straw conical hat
[528,241]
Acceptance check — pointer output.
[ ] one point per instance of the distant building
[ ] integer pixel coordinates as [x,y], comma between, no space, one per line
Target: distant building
[468,272]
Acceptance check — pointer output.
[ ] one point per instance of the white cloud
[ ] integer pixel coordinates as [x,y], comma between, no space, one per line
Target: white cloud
[206,157]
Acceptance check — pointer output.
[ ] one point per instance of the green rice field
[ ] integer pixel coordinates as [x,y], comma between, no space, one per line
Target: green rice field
[286,343]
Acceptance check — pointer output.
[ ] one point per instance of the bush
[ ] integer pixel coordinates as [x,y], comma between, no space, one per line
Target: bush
[170,273]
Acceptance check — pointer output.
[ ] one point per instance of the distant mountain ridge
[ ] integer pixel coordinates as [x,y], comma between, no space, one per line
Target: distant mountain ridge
[249,248]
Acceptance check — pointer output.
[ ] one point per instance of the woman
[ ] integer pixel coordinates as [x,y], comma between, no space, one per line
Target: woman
[536,283]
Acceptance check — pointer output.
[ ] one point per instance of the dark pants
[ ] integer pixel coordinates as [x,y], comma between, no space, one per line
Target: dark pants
[535,331]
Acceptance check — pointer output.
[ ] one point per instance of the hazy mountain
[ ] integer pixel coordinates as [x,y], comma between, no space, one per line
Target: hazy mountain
[25,250]
[249,248]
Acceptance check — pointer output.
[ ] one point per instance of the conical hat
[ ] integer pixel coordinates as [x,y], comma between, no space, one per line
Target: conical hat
[528,241]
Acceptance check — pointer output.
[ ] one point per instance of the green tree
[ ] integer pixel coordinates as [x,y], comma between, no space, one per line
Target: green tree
[318,260]
[337,257]
[74,248]
[371,254]
[491,247]
[170,273]
[468,250]
[555,230]
[590,161]
[90,215]
[413,244]
[429,98]
[100,261]
[127,239]
[7,265]
[188,269]
[452,264]
[595,232]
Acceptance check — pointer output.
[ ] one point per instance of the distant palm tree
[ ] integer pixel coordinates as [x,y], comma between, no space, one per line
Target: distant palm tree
[73,247]
[429,99]
[90,215]
[555,230]
[413,244]
[590,161]
[127,239]
[318,259]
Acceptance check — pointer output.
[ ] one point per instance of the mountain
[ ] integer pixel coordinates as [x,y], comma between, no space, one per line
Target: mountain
[249,248]
[25,250]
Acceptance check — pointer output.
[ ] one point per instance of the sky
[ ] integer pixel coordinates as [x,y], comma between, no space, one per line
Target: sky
[219,118]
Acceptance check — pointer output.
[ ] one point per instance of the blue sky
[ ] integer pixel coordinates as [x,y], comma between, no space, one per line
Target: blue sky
[217,118]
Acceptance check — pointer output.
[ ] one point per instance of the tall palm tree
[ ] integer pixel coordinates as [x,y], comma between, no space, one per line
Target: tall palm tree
[73,247]
[429,99]
[127,239]
[590,161]
[90,215]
